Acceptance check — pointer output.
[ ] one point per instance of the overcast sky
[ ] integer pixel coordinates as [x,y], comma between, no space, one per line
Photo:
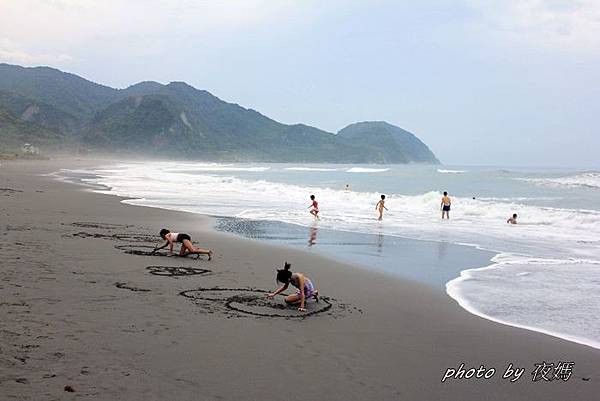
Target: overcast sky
[481,82]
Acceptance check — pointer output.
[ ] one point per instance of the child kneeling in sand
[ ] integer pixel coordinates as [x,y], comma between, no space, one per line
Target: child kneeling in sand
[186,244]
[306,289]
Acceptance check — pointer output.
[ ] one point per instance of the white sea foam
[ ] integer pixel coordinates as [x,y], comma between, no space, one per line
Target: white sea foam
[366,170]
[451,171]
[589,180]
[215,167]
[562,244]
[311,169]
[555,297]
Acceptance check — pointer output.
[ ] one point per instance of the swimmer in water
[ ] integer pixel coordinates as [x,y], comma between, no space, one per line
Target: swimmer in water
[306,289]
[513,219]
[380,206]
[186,244]
[315,207]
[445,205]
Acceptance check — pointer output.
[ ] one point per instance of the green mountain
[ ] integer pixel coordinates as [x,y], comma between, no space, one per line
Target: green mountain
[177,120]
[395,144]
[15,132]
[69,93]
[39,112]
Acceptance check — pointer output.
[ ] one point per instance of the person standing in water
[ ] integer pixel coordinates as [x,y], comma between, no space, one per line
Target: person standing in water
[347,188]
[306,289]
[186,244]
[513,219]
[314,207]
[380,206]
[445,205]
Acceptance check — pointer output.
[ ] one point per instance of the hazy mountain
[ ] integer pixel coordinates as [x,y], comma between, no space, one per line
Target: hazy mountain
[395,144]
[177,120]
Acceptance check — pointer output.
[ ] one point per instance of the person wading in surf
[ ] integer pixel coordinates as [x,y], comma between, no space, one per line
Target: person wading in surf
[380,206]
[315,207]
[445,205]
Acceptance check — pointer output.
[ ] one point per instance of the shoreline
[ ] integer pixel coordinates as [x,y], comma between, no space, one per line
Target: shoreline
[217,220]
[427,276]
[160,344]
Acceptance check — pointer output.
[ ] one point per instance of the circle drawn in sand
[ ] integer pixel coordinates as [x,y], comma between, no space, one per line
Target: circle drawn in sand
[126,286]
[145,250]
[103,226]
[253,301]
[121,236]
[176,271]
[9,191]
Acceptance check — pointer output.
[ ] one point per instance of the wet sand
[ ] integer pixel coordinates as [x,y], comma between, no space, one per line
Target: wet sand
[82,305]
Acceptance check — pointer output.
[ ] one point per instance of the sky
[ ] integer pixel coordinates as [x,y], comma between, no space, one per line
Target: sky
[507,83]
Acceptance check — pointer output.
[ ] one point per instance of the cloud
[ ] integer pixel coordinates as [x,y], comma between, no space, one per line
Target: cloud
[10,52]
[76,21]
[563,24]
[49,31]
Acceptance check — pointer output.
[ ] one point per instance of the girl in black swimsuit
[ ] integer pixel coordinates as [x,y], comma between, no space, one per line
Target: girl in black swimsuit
[186,244]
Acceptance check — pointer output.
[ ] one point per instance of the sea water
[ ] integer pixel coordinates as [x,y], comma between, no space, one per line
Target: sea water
[546,272]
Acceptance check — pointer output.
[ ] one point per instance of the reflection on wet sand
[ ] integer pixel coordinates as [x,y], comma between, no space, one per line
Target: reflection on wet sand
[380,238]
[312,239]
[442,249]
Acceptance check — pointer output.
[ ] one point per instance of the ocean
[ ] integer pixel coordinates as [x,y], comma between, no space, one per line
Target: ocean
[542,274]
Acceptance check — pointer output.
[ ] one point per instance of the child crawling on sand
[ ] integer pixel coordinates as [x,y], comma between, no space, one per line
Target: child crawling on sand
[306,289]
[186,244]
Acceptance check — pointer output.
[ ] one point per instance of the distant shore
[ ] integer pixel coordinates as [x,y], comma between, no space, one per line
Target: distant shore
[78,312]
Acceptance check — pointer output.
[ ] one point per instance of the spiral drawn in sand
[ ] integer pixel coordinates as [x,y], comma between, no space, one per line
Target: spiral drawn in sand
[253,301]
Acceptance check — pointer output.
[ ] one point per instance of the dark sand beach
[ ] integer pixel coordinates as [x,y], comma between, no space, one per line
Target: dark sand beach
[82,306]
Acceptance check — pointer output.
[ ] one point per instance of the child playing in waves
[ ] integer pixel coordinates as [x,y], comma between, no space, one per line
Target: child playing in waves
[380,206]
[513,219]
[315,207]
[306,289]
[445,205]
[186,244]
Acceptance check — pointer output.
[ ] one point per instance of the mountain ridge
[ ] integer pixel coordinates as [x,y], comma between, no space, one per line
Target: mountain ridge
[178,120]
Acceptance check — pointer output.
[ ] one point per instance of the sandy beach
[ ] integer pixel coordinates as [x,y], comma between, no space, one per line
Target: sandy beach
[77,311]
